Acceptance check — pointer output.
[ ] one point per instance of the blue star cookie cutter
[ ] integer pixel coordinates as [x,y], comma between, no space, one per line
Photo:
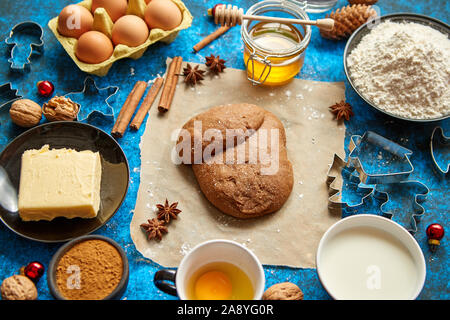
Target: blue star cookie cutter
[94,101]
[20,54]
[439,141]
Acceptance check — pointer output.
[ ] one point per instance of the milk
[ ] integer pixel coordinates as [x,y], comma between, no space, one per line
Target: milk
[368,263]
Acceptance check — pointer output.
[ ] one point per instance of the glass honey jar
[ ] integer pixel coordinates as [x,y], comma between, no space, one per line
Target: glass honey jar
[274,52]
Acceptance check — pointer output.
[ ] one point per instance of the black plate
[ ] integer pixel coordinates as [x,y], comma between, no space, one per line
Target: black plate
[395,17]
[78,136]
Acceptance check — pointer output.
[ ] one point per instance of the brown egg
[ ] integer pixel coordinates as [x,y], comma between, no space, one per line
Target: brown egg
[94,47]
[74,20]
[130,30]
[114,8]
[162,14]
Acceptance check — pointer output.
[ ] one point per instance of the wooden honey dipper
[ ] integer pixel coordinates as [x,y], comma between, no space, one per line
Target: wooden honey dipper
[230,15]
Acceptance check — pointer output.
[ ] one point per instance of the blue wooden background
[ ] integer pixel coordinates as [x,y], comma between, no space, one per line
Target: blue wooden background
[323,63]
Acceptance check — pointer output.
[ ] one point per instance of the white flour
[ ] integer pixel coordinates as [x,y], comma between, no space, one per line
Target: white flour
[404,69]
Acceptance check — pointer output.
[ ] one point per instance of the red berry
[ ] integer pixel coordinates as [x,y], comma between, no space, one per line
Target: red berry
[435,231]
[34,270]
[45,88]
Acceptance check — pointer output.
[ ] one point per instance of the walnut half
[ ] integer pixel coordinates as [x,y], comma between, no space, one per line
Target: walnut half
[283,291]
[18,287]
[60,109]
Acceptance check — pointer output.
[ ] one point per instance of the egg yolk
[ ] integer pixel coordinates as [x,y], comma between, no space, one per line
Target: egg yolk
[213,285]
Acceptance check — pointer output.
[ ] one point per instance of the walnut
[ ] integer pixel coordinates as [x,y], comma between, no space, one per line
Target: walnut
[25,113]
[283,291]
[60,109]
[18,288]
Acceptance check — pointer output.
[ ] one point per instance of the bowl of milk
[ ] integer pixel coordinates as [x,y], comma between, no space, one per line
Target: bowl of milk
[369,257]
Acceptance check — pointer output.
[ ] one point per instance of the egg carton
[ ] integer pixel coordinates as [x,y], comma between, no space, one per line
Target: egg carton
[103,23]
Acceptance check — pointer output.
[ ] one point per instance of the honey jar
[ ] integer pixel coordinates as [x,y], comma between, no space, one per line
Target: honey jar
[274,52]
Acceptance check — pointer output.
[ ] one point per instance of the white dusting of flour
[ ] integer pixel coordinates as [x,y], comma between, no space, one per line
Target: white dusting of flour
[404,69]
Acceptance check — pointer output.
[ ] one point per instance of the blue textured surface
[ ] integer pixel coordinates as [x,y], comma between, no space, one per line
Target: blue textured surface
[323,62]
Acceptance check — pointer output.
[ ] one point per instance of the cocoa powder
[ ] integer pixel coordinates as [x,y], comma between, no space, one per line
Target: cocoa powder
[90,270]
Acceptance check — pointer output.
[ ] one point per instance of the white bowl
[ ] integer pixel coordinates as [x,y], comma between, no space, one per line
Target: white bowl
[364,221]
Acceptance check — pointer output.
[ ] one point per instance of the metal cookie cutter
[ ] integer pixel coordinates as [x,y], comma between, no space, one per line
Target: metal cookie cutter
[90,96]
[36,48]
[8,130]
[421,191]
[7,94]
[349,173]
[377,186]
[359,144]
[438,138]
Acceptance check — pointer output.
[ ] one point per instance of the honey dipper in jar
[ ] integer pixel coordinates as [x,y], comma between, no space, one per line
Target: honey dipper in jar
[232,15]
[274,47]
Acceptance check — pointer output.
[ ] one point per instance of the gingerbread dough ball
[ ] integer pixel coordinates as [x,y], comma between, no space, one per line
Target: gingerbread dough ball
[283,291]
[18,288]
[243,190]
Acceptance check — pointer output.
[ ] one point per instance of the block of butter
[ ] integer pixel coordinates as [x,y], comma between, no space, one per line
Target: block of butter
[59,183]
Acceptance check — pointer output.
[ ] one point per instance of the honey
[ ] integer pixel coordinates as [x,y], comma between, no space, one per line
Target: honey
[274,52]
[274,37]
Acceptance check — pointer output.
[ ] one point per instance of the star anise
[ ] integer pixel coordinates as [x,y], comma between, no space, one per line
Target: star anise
[154,228]
[193,75]
[215,64]
[167,212]
[342,110]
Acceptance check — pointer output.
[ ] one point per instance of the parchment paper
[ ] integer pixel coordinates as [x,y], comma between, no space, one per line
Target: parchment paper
[288,237]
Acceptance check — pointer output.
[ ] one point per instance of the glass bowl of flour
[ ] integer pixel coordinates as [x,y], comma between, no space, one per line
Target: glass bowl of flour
[400,65]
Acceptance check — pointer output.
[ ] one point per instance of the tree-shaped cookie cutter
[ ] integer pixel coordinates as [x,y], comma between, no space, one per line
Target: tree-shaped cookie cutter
[90,88]
[439,138]
[353,171]
[348,172]
[35,48]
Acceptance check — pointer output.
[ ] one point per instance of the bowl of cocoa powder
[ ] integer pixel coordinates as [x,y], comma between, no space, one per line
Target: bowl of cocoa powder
[399,64]
[90,267]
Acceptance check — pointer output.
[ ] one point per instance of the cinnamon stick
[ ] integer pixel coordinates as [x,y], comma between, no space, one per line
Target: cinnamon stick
[175,80]
[128,109]
[210,38]
[147,103]
[170,85]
